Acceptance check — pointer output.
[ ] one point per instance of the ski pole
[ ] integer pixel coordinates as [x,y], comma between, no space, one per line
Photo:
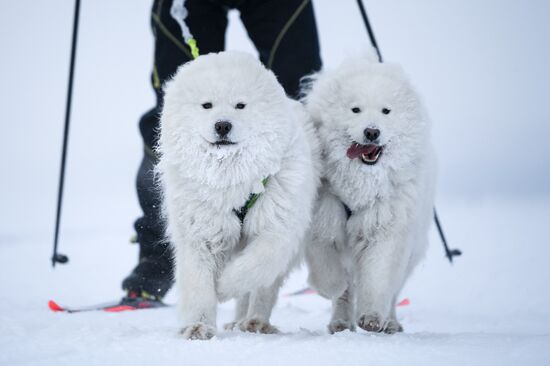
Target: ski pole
[58,257]
[449,253]
[370,32]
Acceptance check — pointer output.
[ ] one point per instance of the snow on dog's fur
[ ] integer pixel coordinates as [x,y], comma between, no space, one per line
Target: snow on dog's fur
[227,125]
[378,160]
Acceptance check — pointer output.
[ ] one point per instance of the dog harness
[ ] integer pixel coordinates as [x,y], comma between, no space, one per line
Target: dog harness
[241,212]
[348,210]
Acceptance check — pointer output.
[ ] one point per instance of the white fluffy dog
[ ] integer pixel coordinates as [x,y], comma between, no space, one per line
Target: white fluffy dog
[238,182]
[370,226]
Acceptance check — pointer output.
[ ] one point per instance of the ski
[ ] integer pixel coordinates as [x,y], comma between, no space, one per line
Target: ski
[310,291]
[126,304]
[140,303]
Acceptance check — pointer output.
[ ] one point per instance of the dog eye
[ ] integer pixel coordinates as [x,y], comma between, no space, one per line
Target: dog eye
[240,106]
[207,105]
[386,110]
[356,110]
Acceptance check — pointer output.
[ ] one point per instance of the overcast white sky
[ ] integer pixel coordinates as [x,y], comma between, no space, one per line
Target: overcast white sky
[482,67]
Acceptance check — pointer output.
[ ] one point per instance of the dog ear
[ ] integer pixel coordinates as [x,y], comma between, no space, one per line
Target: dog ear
[324,93]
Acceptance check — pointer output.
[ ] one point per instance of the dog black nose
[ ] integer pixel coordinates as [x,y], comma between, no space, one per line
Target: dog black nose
[371,133]
[222,128]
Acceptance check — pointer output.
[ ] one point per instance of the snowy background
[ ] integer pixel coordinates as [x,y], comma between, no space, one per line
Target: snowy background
[482,67]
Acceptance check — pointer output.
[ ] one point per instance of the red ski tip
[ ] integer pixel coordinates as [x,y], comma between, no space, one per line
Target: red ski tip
[404,302]
[54,306]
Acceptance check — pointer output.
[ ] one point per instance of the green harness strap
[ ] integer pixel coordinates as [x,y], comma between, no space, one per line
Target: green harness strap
[241,213]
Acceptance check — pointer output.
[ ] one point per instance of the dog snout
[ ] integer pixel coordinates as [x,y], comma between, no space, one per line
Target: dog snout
[222,128]
[371,134]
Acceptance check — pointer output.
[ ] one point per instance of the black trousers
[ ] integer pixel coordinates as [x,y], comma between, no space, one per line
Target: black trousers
[284,33]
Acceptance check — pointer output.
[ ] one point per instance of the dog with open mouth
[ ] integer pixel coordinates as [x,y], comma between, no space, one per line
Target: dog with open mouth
[370,225]
[239,175]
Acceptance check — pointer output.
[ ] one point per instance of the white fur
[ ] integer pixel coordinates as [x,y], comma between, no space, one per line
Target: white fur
[202,184]
[362,263]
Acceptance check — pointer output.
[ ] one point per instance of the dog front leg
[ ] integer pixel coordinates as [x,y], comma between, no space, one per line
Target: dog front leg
[326,272]
[327,234]
[195,279]
[379,269]
[265,259]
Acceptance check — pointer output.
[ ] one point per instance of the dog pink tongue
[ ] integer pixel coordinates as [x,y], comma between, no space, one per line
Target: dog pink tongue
[356,150]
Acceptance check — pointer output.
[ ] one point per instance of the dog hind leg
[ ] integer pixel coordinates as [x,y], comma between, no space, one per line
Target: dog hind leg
[343,312]
[392,325]
[260,306]
[241,310]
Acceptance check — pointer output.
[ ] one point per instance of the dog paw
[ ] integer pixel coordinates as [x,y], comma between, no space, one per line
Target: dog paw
[198,331]
[374,323]
[231,326]
[371,323]
[255,325]
[393,326]
[339,325]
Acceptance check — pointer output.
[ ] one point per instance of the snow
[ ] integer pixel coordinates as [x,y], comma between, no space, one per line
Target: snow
[489,308]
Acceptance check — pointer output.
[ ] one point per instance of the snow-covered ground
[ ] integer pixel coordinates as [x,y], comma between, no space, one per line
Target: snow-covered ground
[482,67]
[490,308]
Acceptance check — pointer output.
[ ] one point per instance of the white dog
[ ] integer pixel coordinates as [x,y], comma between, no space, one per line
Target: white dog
[370,226]
[239,184]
